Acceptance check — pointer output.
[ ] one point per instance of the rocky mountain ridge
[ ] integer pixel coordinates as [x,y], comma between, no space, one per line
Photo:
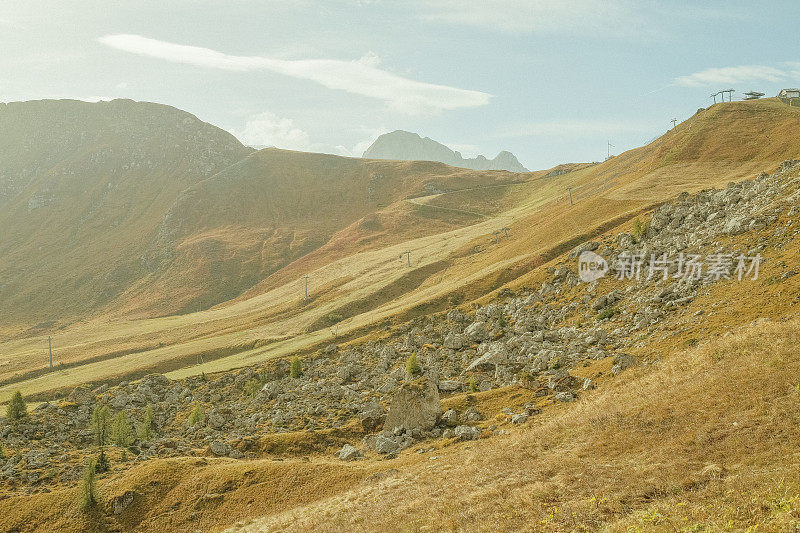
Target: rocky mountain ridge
[408,146]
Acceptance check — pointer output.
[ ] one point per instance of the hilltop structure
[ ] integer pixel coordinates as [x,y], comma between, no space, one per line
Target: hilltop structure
[753,95]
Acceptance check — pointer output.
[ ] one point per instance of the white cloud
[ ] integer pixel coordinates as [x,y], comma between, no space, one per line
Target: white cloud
[360,77]
[267,129]
[522,16]
[729,75]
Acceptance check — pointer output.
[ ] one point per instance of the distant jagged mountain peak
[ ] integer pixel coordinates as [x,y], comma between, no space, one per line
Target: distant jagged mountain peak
[409,146]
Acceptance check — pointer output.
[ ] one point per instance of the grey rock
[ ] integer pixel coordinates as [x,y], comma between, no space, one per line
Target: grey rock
[477,331]
[122,502]
[349,453]
[220,448]
[388,444]
[466,432]
[450,417]
[496,354]
[566,396]
[453,341]
[588,246]
[415,405]
[471,415]
[450,385]
[622,362]
[519,418]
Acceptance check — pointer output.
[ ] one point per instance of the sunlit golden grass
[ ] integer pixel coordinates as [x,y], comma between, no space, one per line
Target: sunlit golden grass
[707,439]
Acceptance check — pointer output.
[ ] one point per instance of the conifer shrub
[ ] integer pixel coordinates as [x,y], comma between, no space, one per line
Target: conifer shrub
[17,408]
[197,415]
[640,229]
[101,425]
[252,387]
[88,493]
[121,431]
[145,431]
[412,365]
[103,464]
[296,368]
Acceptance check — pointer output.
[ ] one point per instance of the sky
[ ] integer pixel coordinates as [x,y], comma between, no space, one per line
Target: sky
[550,81]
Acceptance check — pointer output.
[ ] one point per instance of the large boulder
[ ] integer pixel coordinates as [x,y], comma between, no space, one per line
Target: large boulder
[477,331]
[496,354]
[453,341]
[415,405]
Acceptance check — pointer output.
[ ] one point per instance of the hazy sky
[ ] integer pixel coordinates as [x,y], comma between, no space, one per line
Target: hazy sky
[550,81]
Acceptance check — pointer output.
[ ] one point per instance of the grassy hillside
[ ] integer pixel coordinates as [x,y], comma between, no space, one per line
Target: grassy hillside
[83,188]
[224,235]
[701,435]
[451,220]
[702,441]
[139,209]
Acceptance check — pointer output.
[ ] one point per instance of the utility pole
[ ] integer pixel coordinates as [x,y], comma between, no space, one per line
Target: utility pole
[570,195]
[407,253]
[674,120]
[608,149]
[50,344]
[305,298]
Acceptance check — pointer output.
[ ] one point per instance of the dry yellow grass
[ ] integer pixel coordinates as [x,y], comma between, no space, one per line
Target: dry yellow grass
[185,494]
[706,440]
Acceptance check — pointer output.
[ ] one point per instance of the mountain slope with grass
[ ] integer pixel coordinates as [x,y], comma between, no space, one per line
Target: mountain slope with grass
[468,234]
[139,209]
[83,188]
[649,403]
